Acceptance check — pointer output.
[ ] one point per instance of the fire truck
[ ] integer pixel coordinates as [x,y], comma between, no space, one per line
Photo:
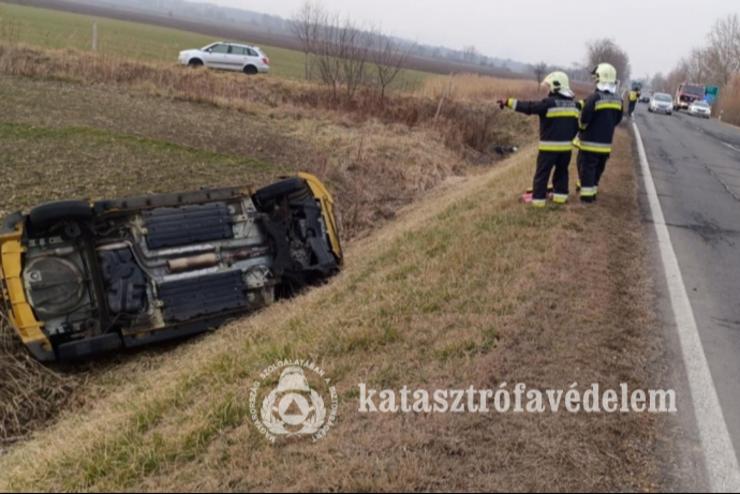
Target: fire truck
[687,93]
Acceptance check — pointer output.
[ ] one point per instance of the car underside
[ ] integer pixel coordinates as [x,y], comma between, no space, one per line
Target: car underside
[80,279]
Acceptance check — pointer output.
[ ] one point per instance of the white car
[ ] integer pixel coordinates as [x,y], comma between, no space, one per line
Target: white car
[227,56]
[700,109]
[661,102]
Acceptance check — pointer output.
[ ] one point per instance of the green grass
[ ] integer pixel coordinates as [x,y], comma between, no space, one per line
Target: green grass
[56,29]
[123,165]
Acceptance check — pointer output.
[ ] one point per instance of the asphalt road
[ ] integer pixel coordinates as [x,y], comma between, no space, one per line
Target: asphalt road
[695,164]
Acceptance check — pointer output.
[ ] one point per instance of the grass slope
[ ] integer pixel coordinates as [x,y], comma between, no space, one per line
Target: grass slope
[467,287]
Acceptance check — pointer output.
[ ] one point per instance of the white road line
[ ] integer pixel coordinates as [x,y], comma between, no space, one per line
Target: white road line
[734,148]
[719,453]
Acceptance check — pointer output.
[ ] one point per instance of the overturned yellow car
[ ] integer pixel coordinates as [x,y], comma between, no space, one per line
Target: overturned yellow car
[81,279]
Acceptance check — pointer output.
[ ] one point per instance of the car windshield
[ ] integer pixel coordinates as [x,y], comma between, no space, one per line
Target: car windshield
[702,104]
[665,98]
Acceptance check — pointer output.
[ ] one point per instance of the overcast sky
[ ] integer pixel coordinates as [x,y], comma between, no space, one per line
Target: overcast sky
[655,33]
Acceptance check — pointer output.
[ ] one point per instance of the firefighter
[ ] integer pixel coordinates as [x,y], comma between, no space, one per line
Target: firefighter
[633,96]
[600,114]
[558,126]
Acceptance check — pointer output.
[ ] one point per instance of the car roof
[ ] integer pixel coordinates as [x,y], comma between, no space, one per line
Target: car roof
[236,44]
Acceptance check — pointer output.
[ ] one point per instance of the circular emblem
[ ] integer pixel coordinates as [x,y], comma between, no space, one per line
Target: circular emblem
[296,406]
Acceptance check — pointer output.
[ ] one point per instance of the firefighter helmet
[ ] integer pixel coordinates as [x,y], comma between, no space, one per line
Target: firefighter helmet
[557,81]
[605,73]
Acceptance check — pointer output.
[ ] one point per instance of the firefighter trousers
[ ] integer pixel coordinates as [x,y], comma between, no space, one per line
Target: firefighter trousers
[591,167]
[632,106]
[546,162]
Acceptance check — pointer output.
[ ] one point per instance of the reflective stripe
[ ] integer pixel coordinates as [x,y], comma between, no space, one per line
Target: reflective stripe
[588,191]
[556,146]
[511,103]
[608,105]
[539,203]
[560,198]
[592,147]
[560,112]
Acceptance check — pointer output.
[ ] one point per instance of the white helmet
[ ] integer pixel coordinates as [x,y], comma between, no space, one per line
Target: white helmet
[558,82]
[605,76]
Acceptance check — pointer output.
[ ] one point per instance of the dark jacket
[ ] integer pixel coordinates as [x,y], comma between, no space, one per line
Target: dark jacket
[600,115]
[558,120]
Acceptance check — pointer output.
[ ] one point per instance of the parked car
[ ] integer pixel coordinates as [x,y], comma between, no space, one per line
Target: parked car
[79,279]
[700,109]
[227,56]
[661,102]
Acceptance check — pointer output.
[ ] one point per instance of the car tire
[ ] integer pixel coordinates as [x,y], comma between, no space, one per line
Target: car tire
[250,70]
[266,196]
[195,63]
[49,214]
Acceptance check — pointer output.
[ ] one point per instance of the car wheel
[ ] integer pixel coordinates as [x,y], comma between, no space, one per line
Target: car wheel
[265,197]
[250,70]
[46,215]
[195,63]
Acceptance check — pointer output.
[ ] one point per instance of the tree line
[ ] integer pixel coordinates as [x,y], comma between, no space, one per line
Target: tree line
[717,63]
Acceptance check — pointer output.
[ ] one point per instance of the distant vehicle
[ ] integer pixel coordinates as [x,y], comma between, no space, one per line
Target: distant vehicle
[661,102]
[227,56]
[700,109]
[645,98]
[687,94]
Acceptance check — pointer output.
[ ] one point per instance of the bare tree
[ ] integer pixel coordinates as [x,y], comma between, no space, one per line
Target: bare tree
[722,56]
[355,48]
[539,71]
[470,53]
[327,52]
[659,83]
[607,51]
[306,24]
[388,58]
[338,51]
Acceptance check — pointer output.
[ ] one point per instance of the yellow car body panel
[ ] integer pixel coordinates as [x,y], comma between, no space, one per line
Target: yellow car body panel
[21,314]
[321,193]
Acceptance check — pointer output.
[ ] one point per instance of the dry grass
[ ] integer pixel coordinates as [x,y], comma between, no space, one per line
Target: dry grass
[148,128]
[29,392]
[729,102]
[474,87]
[478,87]
[467,287]
[470,126]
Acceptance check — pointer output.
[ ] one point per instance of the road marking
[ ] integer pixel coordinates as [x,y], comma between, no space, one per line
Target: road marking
[719,453]
[734,148]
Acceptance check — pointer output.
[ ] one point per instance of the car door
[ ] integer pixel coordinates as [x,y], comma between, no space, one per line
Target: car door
[215,56]
[236,59]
